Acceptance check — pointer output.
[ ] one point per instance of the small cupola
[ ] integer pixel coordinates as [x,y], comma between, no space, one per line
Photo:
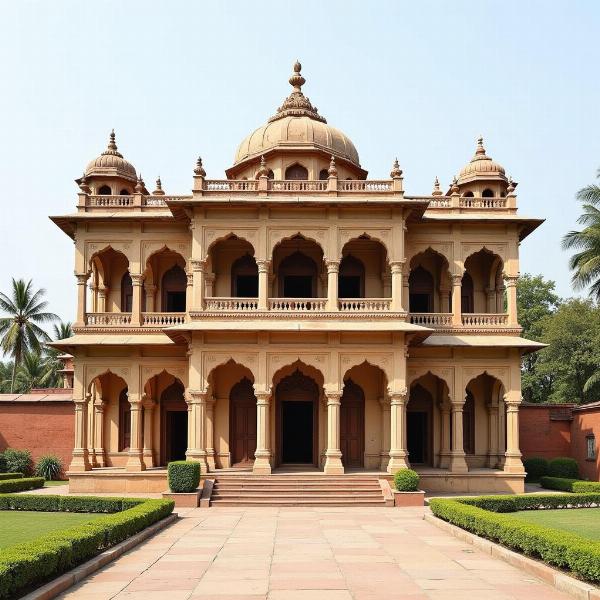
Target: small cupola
[482,176]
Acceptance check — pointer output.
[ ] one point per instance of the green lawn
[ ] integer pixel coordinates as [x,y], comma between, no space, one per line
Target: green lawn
[55,483]
[582,521]
[23,526]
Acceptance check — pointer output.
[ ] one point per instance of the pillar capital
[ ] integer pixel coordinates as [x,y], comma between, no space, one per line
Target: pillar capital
[137,279]
[263,397]
[263,265]
[196,396]
[457,279]
[333,396]
[198,265]
[396,266]
[398,397]
[510,280]
[81,278]
[333,266]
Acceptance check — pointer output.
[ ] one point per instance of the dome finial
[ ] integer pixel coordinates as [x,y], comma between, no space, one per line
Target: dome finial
[139,186]
[455,189]
[112,146]
[436,188]
[263,171]
[296,80]
[480,149]
[332,171]
[199,170]
[396,170]
[158,191]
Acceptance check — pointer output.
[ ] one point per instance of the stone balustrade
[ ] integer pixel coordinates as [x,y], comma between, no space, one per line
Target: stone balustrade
[108,319]
[162,319]
[297,304]
[365,304]
[109,201]
[433,320]
[231,304]
[475,202]
[484,319]
[365,185]
[297,186]
[231,185]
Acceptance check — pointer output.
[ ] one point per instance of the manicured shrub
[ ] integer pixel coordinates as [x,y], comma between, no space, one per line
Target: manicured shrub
[563,467]
[184,476]
[535,468]
[570,485]
[49,467]
[2,463]
[4,476]
[18,461]
[581,487]
[406,480]
[20,485]
[504,504]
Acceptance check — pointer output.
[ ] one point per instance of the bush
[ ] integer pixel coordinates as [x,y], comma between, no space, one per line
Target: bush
[184,476]
[20,485]
[581,487]
[4,476]
[570,485]
[2,463]
[563,467]
[49,467]
[535,468]
[559,548]
[29,564]
[18,461]
[504,504]
[406,480]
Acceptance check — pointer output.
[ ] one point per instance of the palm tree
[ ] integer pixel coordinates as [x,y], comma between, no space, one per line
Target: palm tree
[34,372]
[586,262]
[5,375]
[54,363]
[20,330]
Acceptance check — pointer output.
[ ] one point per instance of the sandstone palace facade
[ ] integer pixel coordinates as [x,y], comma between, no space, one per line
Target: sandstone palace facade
[298,314]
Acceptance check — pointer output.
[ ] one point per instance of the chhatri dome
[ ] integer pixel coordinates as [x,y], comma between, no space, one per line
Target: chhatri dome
[296,128]
[111,163]
[481,166]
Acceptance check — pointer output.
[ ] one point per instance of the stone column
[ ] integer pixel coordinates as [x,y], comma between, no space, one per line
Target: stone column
[491,300]
[197,428]
[397,295]
[210,433]
[384,401]
[445,451]
[189,291]
[199,273]
[136,304]
[81,297]
[333,454]
[150,291]
[102,294]
[262,455]
[398,454]
[80,461]
[333,270]
[148,449]
[511,299]
[500,298]
[458,463]
[445,300]
[512,462]
[99,433]
[263,283]
[456,300]
[386,280]
[492,456]
[135,461]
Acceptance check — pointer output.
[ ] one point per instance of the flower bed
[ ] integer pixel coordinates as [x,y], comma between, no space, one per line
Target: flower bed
[29,564]
[487,516]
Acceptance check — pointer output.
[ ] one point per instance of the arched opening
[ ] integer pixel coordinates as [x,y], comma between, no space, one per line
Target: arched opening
[126,293]
[270,174]
[242,423]
[482,285]
[466,294]
[323,174]
[469,424]
[421,286]
[174,284]
[174,419]
[104,191]
[124,421]
[468,194]
[244,277]
[487,193]
[297,398]
[351,278]
[124,192]
[352,425]
[296,172]
[429,283]
[111,288]
[419,426]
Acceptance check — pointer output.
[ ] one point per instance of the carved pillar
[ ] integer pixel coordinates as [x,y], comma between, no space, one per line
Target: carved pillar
[398,455]
[445,306]
[197,428]
[99,433]
[209,285]
[199,273]
[262,455]
[136,304]
[405,292]
[492,456]
[445,451]
[511,299]
[385,432]
[81,297]
[210,433]
[333,269]
[500,298]
[148,449]
[456,300]
[135,461]
[102,294]
[150,290]
[189,290]
[491,300]
[458,463]
[333,454]
[512,462]
[263,283]
[386,280]
[80,461]
[397,295]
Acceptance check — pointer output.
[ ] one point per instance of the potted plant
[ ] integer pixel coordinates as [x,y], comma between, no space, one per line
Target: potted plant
[184,479]
[406,489]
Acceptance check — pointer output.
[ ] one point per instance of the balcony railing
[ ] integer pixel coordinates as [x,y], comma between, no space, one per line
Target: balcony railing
[431,319]
[231,304]
[108,201]
[108,319]
[365,304]
[297,304]
[162,319]
[484,319]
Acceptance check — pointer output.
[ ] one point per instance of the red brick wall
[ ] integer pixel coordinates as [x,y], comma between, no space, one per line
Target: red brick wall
[40,427]
[586,422]
[541,435]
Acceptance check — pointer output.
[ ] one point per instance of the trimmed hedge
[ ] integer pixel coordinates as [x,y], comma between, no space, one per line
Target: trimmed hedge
[570,485]
[406,480]
[184,476]
[17,461]
[535,468]
[4,476]
[563,467]
[21,485]
[559,548]
[30,564]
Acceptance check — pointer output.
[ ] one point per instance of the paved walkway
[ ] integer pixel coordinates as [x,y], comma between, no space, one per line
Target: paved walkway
[307,554]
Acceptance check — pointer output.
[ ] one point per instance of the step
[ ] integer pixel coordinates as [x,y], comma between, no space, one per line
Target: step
[291,485]
[292,490]
[219,494]
[297,502]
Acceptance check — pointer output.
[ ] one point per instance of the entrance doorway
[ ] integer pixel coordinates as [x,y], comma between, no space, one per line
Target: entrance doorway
[297,397]
[177,425]
[174,419]
[352,425]
[419,416]
[242,423]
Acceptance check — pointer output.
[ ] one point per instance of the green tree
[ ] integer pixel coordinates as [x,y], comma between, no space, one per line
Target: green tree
[20,329]
[586,261]
[5,376]
[34,372]
[55,364]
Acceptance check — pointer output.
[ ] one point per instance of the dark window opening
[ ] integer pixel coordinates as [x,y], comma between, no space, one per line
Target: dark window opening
[466,294]
[420,286]
[487,193]
[297,276]
[124,192]
[351,279]
[124,422]
[323,174]
[126,293]
[469,195]
[174,284]
[104,191]
[244,277]
[469,424]
[297,286]
[297,172]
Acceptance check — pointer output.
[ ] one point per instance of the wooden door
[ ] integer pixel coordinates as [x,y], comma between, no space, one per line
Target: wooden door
[352,425]
[242,423]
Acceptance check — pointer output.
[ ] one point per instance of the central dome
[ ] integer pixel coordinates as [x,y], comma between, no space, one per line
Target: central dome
[297,126]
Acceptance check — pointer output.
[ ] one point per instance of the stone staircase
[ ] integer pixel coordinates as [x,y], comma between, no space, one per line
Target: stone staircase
[297,490]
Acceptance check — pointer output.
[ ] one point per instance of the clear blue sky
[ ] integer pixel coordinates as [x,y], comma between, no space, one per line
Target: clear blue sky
[417,80]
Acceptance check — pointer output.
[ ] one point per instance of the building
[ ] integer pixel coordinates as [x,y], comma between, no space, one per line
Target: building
[297,313]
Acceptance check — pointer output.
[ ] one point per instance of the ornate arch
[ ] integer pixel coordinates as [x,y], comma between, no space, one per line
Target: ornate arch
[213,236]
[314,365]
[443,250]
[95,249]
[383,236]
[501,374]
[276,236]
[446,374]
[93,372]
[213,360]
[469,249]
[382,361]
[179,372]
[150,249]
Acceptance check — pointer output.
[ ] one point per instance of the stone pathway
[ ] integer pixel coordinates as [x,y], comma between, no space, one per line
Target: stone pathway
[307,554]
